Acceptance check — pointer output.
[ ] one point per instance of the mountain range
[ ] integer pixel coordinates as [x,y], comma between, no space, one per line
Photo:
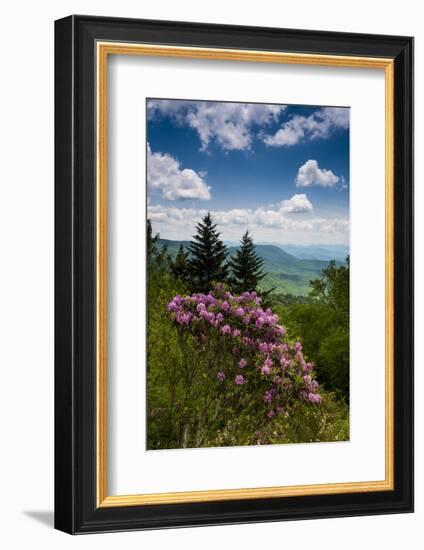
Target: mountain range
[287,269]
[316,252]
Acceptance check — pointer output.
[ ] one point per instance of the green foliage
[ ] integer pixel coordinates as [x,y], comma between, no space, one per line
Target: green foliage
[287,299]
[332,288]
[207,261]
[190,409]
[323,326]
[328,421]
[179,265]
[334,358]
[301,423]
[163,352]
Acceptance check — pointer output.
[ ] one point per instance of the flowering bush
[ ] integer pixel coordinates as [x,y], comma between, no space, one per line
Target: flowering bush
[244,355]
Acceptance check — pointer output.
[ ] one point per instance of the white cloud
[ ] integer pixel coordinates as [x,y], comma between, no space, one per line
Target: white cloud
[311,174]
[298,204]
[319,125]
[236,216]
[265,223]
[165,175]
[229,125]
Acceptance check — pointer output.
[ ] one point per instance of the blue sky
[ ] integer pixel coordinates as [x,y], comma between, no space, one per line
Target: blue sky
[282,171]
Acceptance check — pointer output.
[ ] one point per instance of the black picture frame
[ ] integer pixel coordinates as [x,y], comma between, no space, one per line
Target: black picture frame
[76,510]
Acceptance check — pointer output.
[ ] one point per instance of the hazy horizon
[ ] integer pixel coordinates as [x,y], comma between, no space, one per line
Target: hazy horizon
[231,242]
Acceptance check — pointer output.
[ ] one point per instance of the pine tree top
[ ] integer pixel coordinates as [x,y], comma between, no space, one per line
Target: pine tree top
[207,260]
[246,266]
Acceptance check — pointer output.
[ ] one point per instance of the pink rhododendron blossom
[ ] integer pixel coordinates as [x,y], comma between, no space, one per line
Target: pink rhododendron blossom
[298,346]
[269,395]
[226,329]
[307,367]
[210,299]
[280,330]
[172,306]
[310,397]
[268,362]
[284,362]
[239,379]
[314,397]
[183,318]
[254,342]
[263,346]
[265,369]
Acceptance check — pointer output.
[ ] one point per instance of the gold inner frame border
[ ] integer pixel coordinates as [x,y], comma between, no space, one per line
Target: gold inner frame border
[103,50]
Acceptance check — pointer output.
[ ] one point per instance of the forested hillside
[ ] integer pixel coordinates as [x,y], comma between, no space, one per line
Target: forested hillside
[285,272]
[235,360]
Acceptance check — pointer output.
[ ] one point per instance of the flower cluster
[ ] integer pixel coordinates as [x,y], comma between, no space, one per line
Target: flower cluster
[260,355]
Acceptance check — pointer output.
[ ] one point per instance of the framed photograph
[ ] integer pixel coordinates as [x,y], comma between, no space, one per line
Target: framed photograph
[234,274]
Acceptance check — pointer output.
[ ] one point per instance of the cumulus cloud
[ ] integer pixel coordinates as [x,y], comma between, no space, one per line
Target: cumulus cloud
[311,174]
[229,125]
[298,204]
[165,175]
[181,221]
[319,125]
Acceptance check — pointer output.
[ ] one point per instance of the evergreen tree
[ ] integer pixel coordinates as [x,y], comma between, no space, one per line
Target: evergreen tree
[150,240]
[246,267]
[158,259]
[207,261]
[179,266]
